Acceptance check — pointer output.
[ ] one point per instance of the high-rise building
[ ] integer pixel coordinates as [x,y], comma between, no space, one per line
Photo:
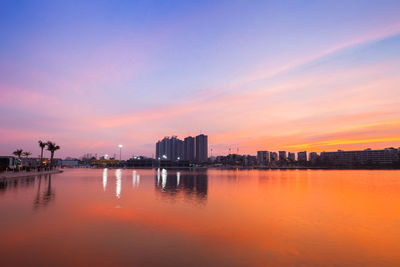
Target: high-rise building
[189,149]
[176,149]
[302,156]
[201,148]
[282,155]
[163,148]
[273,156]
[262,157]
[291,156]
[169,148]
[313,157]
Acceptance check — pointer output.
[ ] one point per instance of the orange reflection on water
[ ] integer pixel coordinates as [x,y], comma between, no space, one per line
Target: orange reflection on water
[214,217]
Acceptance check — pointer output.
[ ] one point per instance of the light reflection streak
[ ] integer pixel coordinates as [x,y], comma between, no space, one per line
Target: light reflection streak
[178,178]
[118,183]
[135,179]
[158,176]
[105,179]
[163,178]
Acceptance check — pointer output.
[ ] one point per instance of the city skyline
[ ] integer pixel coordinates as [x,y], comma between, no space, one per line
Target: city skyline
[280,76]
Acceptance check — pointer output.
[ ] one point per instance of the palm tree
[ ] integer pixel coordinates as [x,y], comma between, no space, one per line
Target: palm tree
[42,146]
[52,147]
[26,154]
[18,153]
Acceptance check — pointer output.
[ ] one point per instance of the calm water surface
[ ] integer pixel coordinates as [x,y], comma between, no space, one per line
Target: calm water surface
[95,217]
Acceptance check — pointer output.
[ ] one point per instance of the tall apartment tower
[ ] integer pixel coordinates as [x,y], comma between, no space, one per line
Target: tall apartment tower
[282,155]
[176,149]
[201,148]
[189,149]
[262,157]
[169,148]
[302,156]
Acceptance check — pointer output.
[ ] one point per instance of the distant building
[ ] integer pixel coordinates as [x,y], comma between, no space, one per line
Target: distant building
[249,160]
[302,156]
[282,155]
[169,148]
[313,157]
[8,163]
[291,157]
[262,157]
[273,156]
[31,162]
[387,156]
[189,149]
[201,148]
[163,149]
[176,149]
[71,163]
[139,161]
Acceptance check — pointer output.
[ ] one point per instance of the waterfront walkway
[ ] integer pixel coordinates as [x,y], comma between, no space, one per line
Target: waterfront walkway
[22,174]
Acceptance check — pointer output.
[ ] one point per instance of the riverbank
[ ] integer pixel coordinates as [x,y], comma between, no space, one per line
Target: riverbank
[23,174]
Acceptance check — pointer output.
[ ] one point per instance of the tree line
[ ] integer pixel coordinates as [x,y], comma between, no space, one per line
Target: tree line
[50,146]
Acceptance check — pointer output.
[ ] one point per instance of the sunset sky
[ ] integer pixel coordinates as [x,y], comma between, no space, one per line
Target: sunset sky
[253,75]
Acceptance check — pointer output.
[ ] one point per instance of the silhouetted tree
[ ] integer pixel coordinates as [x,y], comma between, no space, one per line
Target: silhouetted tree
[42,145]
[52,147]
[18,153]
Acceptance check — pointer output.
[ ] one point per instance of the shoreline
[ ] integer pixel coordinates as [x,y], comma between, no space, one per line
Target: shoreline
[12,175]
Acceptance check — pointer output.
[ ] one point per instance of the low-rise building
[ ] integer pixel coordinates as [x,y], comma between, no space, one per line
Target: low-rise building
[69,163]
[387,156]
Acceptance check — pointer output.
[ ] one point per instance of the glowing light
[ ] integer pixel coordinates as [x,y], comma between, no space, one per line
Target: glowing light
[178,177]
[118,183]
[105,179]
[120,146]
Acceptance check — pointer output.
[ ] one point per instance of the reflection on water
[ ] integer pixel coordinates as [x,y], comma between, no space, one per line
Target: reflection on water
[118,183]
[135,179]
[105,179]
[15,184]
[44,195]
[189,183]
[42,200]
[201,218]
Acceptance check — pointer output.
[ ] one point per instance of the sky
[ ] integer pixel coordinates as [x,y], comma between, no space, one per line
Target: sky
[252,75]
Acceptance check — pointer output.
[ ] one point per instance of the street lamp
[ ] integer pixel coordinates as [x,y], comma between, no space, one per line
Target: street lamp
[120,149]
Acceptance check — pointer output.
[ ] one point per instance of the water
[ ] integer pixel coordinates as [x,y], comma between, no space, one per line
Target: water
[96,217]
